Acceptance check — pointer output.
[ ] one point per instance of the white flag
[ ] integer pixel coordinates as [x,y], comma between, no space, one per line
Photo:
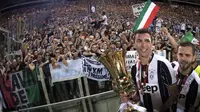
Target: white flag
[137,8]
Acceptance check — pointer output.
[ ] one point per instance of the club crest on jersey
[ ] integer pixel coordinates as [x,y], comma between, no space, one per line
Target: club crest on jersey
[185,88]
[150,88]
[151,73]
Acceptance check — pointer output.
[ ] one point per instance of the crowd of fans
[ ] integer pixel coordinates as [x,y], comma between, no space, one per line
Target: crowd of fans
[68,31]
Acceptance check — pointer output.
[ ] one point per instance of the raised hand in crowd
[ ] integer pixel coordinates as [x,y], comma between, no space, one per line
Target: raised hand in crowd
[171,39]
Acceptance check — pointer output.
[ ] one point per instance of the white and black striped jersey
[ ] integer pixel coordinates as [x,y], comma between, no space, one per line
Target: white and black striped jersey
[160,74]
[189,88]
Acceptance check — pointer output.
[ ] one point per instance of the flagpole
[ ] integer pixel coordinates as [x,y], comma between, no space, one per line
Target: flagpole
[82,94]
[88,93]
[45,89]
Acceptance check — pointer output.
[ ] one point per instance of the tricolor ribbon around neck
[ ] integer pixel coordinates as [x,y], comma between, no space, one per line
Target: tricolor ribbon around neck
[181,82]
[139,75]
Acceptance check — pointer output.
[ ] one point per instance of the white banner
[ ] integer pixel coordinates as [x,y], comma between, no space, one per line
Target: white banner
[161,53]
[69,72]
[137,8]
[95,70]
[14,53]
[131,57]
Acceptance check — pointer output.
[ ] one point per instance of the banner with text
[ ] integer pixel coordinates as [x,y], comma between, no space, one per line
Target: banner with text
[95,70]
[131,58]
[66,72]
[20,89]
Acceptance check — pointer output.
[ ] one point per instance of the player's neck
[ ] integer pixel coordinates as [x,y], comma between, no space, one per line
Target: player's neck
[194,65]
[185,72]
[145,60]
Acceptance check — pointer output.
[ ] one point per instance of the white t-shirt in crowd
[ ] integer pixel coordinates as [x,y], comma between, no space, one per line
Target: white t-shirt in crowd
[104,17]
[70,33]
[183,26]
[197,29]
[159,22]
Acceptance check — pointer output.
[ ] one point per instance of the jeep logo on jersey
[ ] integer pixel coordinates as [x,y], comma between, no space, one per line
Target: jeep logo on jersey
[181,96]
[150,88]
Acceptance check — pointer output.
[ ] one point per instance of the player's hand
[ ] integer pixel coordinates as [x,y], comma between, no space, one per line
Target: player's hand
[124,97]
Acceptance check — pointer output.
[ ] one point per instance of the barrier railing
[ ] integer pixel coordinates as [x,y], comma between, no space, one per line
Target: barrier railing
[68,101]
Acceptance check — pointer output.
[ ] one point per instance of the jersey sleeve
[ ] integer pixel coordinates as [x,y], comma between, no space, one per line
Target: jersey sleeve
[168,73]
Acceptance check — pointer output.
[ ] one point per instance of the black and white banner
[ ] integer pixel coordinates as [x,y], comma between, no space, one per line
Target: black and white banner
[94,70]
[92,8]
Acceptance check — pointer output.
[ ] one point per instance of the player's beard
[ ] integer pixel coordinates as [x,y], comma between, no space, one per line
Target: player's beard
[184,65]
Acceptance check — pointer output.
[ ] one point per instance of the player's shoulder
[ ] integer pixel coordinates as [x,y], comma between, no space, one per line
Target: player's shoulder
[161,58]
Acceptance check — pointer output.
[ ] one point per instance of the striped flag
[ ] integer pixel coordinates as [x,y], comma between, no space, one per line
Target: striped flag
[188,37]
[146,16]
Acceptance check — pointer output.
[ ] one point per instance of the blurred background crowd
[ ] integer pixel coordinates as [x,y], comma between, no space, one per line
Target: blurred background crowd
[68,30]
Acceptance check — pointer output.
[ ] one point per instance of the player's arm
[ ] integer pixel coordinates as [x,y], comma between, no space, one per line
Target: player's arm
[173,91]
[170,81]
